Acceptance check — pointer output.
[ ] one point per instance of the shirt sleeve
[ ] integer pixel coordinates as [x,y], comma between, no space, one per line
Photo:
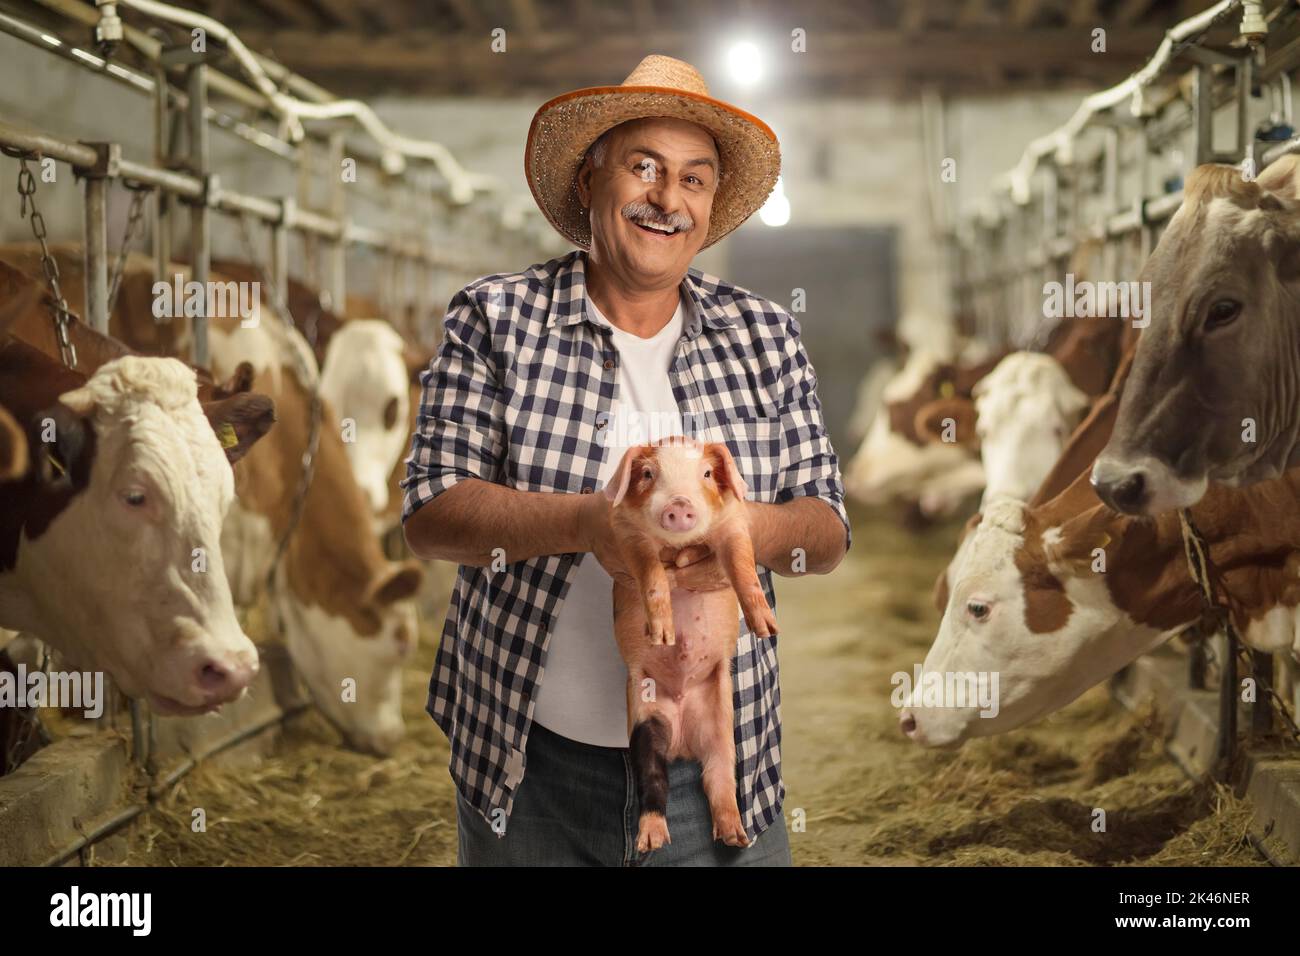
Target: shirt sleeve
[460,432]
[809,466]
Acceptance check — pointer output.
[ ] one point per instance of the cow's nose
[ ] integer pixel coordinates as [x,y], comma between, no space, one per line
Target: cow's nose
[679,515]
[223,680]
[1126,492]
[907,723]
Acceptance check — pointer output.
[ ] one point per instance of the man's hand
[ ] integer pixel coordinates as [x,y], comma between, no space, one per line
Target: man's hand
[693,568]
[596,532]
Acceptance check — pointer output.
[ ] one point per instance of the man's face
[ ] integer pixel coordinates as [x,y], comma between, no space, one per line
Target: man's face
[656,171]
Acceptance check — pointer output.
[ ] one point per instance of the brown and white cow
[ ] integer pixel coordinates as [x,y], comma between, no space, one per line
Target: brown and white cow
[346,612]
[897,461]
[1055,596]
[1215,388]
[110,542]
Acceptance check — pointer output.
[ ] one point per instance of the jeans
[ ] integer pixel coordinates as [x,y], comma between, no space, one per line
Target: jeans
[577,806]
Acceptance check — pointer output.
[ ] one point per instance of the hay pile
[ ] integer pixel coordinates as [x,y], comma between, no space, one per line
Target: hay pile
[867,794]
[1026,798]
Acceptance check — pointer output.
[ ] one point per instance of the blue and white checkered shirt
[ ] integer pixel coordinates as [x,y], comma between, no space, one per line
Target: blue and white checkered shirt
[523,383]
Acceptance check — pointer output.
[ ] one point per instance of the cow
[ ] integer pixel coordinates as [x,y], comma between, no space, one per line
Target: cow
[370,376]
[1025,410]
[110,540]
[896,460]
[366,380]
[345,611]
[1214,395]
[1055,596]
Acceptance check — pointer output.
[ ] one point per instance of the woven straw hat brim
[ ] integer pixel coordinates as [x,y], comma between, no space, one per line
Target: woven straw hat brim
[565,127]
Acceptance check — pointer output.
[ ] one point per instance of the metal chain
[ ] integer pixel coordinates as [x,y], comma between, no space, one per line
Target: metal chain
[1203,571]
[316,413]
[133,220]
[61,314]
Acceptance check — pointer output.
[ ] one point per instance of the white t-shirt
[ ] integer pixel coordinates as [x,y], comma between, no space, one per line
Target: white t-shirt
[583,692]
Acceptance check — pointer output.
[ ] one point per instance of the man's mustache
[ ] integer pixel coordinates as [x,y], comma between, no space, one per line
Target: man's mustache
[644,210]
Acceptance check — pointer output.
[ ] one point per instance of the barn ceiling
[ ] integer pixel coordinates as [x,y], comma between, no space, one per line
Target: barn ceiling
[445,47]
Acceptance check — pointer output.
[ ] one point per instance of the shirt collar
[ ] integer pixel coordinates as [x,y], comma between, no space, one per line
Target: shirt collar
[570,307]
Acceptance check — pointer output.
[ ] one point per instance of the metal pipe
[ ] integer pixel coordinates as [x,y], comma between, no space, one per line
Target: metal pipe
[96,253]
[200,227]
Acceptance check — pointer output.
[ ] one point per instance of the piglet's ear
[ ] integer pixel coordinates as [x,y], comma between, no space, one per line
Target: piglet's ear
[618,483]
[725,471]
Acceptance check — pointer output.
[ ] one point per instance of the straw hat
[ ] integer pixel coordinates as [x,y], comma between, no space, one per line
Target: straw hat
[565,127]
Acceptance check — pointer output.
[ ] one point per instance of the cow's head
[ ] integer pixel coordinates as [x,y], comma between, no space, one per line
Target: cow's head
[366,381]
[1027,614]
[351,658]
[1026,409]
[131,570]
[1212,392]
[894,461]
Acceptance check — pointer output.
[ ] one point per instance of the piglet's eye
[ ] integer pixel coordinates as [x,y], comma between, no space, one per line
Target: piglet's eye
[708,472]
[647,474]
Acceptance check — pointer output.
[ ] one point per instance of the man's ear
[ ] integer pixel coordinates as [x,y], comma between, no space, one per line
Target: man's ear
[725,471]
[583,182]
[616,488]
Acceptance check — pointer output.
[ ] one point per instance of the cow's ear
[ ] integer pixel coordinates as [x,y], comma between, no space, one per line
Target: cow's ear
[1072,546]
[727,474]
[239,421]
[65,445]
[1282,178]
[397,582]
[14,458]
[948,421]
[240,382]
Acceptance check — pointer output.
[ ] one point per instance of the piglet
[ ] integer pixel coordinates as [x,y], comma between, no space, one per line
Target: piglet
[679,646]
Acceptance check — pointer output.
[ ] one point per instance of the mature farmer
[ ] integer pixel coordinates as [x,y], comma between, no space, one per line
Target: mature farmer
[542,381]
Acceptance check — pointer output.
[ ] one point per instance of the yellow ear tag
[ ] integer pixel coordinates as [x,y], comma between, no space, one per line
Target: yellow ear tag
[946,390]
[226,435]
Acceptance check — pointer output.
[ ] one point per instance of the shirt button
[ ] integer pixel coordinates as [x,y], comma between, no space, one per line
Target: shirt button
[587,489]
[609,363]
[600,424]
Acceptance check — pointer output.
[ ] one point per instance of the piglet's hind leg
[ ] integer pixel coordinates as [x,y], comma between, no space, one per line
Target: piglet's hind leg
[649,745]
[715,746]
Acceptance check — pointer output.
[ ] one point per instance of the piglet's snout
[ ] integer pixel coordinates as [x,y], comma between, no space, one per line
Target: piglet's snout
[679,515]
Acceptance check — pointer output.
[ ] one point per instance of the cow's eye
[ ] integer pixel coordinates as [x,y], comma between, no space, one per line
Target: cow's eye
[978,610]
[1222,313]
[133,497]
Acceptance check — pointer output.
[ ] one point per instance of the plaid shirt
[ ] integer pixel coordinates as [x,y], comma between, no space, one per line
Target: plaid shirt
[522,385]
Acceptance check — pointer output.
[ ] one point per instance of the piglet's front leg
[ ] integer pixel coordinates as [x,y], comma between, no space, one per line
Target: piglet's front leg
[641,556]
[735,550]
